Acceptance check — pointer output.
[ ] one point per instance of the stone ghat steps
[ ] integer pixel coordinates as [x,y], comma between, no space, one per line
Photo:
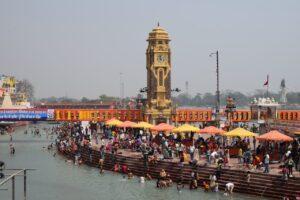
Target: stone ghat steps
[261,184]
[240,185]
[209,170]
[137,167]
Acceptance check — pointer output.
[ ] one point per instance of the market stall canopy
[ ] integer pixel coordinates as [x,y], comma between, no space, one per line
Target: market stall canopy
[143,125]
[186,128]
[240,132]
[113,122]
[275,136]
[211,130]
[126,124]
[162,127]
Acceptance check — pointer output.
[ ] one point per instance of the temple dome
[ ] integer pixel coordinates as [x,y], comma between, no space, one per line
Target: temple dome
[158,33]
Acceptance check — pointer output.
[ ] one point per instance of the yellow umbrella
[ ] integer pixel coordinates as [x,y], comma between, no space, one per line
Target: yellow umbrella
[113,122]
[297,133]
[143,125]
[240,132]
[186,128]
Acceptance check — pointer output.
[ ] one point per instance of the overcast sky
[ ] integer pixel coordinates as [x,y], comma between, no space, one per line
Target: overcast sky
[79,47]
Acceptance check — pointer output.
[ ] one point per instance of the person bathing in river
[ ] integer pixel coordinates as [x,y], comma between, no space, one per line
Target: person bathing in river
[229,188]
[101,162]
[101,159]
[116,167]
[248,177]
[129,173]
[161,181]
[180,186]
[12,148]
[205,186]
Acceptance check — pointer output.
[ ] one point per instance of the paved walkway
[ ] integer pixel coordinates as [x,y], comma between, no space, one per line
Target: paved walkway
[233,163]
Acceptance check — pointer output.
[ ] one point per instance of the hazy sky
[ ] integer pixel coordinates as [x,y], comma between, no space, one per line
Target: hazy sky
[79,47]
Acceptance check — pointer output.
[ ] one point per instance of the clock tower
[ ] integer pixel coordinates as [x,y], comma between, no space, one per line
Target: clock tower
[158,64]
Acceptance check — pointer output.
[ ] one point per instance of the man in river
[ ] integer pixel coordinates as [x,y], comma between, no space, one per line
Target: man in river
[229,188]
[101,159]
[12,148]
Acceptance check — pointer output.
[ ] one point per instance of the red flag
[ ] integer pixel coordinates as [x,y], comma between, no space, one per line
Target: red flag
[267,81]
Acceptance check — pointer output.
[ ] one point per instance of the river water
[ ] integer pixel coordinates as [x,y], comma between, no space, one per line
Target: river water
[56,179]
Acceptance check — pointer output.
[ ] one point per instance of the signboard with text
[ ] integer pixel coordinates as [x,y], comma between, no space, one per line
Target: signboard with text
[26,115]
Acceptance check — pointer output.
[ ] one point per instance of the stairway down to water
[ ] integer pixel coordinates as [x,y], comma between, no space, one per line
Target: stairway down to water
[265,185]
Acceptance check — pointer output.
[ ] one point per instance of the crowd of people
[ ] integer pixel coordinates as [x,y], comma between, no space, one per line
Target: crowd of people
[160,146]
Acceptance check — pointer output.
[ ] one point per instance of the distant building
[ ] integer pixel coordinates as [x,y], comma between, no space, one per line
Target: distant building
[8,83]
[74,105]
[8,86]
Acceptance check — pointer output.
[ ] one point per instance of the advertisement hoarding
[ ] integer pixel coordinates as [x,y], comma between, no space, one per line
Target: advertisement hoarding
[26,115]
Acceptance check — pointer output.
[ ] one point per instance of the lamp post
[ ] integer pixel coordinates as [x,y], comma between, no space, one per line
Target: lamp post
[144,111]
[218,88]
[175,105]
[121,91]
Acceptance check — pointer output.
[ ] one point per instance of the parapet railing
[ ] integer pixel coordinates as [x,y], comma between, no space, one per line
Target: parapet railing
[11,177]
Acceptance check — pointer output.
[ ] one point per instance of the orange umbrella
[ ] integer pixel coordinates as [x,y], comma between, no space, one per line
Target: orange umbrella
[162,127]
[211,130]
[127,124]
[275,136]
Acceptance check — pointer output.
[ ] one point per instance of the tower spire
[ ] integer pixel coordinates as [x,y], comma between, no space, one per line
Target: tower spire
[158,24]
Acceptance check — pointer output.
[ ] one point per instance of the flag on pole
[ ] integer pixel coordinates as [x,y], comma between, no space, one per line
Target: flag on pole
[267,81]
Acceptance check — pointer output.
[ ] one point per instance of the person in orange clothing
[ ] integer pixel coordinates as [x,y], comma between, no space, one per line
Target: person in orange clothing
[256,162]
[205,186]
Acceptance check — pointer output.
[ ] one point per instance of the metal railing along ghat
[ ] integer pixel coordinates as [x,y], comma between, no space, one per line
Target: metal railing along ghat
[12,178]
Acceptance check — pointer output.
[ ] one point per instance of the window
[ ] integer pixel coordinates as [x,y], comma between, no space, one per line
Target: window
[160,42]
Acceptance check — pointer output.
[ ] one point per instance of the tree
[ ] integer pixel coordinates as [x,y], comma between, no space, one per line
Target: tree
[84,100]
[240,99]
[208,99]
[197,100]
[26,87]
[183,99]
[105,98]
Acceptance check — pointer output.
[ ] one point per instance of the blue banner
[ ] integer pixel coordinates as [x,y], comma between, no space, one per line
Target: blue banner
[24,115]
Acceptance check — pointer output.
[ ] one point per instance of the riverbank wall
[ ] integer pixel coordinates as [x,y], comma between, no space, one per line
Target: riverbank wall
[261,185]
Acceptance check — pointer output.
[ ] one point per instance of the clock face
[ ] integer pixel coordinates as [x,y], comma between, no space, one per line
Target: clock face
[161,58]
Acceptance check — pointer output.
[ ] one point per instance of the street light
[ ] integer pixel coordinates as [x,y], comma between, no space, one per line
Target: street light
[218,89]
[143,90]
[175,105]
